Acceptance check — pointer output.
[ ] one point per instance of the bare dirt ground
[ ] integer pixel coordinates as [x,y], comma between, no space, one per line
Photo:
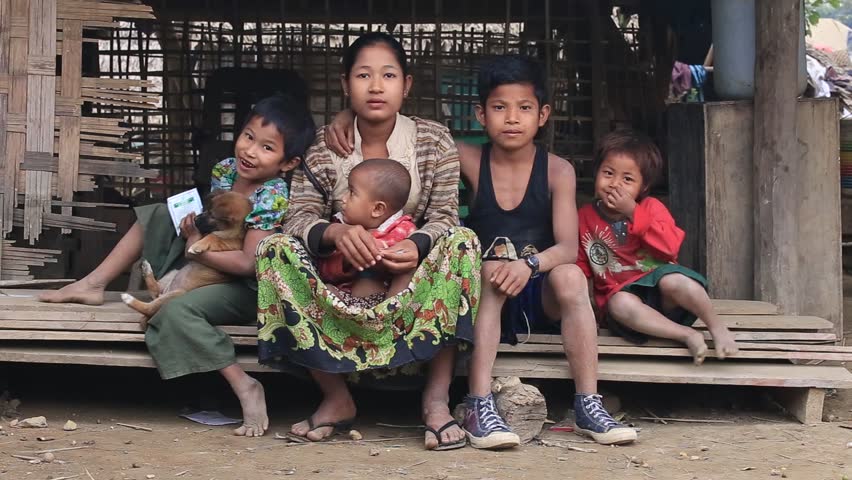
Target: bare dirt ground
[758,444]
[758,440]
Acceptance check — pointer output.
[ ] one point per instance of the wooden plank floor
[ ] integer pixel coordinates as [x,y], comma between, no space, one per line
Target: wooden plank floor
[110,334]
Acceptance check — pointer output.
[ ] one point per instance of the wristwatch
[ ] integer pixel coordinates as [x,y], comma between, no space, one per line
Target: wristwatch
[534,264]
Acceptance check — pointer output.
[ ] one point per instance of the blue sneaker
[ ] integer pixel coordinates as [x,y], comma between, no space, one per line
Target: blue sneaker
[592,420]
[484,426]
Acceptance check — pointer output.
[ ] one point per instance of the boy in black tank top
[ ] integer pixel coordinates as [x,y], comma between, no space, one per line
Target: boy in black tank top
[523,210]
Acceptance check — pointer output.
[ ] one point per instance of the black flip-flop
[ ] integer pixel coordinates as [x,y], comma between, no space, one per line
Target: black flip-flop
[341,426]
[447,445]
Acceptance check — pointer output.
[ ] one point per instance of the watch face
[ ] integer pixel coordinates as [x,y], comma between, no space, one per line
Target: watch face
[533,263]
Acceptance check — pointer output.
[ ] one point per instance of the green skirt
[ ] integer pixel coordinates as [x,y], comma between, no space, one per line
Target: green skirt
[647,290]
[183,337]
[302,322]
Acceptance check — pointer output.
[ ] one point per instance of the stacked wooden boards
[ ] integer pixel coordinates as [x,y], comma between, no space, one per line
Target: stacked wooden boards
[110,335]
[49,149]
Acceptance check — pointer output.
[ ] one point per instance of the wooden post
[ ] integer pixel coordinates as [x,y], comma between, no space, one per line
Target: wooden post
[600,113]
[776,153]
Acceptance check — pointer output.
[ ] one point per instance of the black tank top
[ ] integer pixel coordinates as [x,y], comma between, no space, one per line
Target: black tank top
[525,230]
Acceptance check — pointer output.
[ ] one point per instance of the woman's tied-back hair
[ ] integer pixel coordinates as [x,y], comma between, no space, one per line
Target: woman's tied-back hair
[389,181]
[508,69]
[639,147]
[370,39]
[291,117]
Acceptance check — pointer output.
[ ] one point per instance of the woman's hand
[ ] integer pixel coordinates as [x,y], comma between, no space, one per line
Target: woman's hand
[511,277]
[401,258]
[357,245]
[188,230]
[340,133]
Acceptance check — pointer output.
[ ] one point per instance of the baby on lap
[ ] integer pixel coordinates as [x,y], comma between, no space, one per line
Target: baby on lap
[378,190]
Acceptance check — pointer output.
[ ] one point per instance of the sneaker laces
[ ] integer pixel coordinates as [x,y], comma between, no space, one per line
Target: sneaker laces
[489,417]
[594,408]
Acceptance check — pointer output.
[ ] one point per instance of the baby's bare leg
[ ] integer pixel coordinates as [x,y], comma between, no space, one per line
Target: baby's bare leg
[689,294]
[399,283]
[90,289]
[629,310]
[364,287]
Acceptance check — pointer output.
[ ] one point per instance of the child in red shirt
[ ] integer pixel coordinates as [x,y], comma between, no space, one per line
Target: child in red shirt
[378,189]
[629,245]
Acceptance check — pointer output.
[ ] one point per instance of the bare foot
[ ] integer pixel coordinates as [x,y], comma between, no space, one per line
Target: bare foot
[329,411]
[253,401]
[723,342]
[436,414]
[82,291]
[697,347]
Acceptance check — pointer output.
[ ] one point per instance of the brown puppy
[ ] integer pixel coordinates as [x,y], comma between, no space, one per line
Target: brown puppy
[223,224]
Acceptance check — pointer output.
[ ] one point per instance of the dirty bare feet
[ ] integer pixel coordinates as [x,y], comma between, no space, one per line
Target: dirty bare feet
[253,401]
[697,347]
[83,291]
[723,342]
[332,409]
[436,414]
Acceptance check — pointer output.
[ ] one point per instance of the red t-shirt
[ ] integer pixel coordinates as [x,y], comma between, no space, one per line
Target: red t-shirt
[619,253]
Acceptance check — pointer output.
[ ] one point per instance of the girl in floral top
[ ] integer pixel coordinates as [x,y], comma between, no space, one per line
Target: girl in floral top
[182,337]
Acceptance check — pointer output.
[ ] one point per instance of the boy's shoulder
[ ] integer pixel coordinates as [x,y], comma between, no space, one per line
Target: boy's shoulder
[469,151]
[559,166]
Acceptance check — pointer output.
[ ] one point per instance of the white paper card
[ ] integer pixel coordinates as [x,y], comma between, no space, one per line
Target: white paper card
[183,204]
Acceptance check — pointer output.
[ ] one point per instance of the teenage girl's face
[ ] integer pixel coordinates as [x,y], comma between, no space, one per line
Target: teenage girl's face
[618,171]
[512,116]
[259,151]
[376,84]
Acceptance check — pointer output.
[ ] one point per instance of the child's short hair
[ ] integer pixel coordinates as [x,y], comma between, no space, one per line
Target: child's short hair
[389,180]
[291,117]
[508,69]
[640,147]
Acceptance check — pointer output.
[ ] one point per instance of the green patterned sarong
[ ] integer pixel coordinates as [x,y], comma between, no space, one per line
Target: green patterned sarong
[302,322]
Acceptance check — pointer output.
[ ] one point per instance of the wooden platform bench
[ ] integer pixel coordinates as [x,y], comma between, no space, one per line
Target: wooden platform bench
[797,356]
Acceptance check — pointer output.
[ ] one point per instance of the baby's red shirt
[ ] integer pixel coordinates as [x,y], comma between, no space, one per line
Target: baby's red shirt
[394,230]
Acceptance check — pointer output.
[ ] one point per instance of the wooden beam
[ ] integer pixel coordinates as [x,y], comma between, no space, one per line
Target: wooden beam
[803,403]
[712,372]
[600,112]
[777,155]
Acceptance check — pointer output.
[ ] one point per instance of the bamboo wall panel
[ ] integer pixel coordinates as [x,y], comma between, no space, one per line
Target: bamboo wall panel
[45,135]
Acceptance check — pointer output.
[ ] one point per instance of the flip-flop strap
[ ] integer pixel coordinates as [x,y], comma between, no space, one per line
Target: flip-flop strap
[335,425]
[451,423]
[438,432]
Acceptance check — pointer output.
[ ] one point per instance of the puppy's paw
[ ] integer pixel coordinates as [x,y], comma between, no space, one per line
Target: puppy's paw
[196,248]
[127,298]
[147,270]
